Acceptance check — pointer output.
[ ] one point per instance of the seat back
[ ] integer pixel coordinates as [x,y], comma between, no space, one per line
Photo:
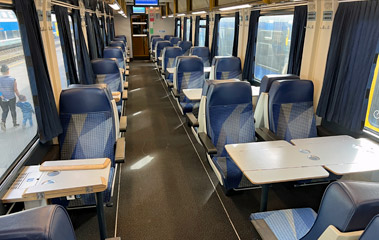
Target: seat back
[154,36]
[347,205]
[107,71]
[291,113]
[167,37]
[372,230]
[154,42]
[45,223]
[119,39]
[174,40]
[226,68]
[123,37]
[117,53]
[267,81]
[120,44]
[160,46]
[189,74]
[186,46]
[87,118]
[229,114]
[169,55]
[201,52]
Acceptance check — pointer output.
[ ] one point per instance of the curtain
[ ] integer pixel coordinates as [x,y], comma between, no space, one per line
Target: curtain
[176,27]
[112,29]
[248,68]
[297,39]
[185,29]
[351,53]
[215,37]
[109,31]
[98,36]
[190,26]
[207,32]
[86,75]
[197,30]
[49,125]
[91,38]
[66,42]
[236,34]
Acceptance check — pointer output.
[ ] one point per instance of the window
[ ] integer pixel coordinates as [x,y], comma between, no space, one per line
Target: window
[178,27]
[273,45]
[202,32]
[372,116]
[58,48]
[17,128]
[188,30]
[225,36]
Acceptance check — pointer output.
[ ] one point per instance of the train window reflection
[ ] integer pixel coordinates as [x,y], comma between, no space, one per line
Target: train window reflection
[372,116]
[18,123]
[226,36]
[202,30]
[273,45]
[188,30]
[58,48]
[178,27]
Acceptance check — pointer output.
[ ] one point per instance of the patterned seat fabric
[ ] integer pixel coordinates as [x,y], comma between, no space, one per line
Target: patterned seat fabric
[189,74]
[227,68]
[174,40]
[267,81]
[88,128]
[115,52]
[122,37]
[120,44]
[347,205]
[186,46]
[167,37]
[229,120]
[289,224]
[203,53]
[159,49]
[154,42]
[107,71]
[169,60]
[291,113]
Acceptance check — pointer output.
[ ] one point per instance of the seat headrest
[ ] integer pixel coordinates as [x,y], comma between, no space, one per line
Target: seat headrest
[207,83]
[185,44]
[113,52]
[117,44]
[189,64]
[174,40]
[372,230]
[154,36]
[167,37]
[84,99]
[172,52]
[291,91]
[229,92]
[163,44]
[104,66]
[267,80]
[227,64]
[155,40]
[202,52]
[119,39]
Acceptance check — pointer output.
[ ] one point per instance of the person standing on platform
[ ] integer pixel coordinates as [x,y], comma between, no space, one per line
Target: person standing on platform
[8,88]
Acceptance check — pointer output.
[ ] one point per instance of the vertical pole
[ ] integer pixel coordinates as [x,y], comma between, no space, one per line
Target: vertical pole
[100,215]
[264,198]
[175,6]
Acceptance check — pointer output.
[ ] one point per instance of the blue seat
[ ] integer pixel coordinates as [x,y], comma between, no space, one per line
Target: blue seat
[120,44]
[174,40]
[159,50]
[291,112]
[267,81]
[120,39]
[89,130]
[44,223]
[226,68]
[229,120]
[123,37]
[372,230]
[167,37]
[153,36]
[201,52]
[115,52]
[169,56]
[186,46]
[347,205]
[189,74]
[154,42]
[107,71]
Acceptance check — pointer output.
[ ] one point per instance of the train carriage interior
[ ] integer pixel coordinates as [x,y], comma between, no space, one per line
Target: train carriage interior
[189,119]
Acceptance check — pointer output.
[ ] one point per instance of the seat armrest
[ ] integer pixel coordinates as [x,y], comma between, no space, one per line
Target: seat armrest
[332,233]
[266,135]
[175,92]
[126,85]
[120,150]
[170,84]
[125,95]
[192,121]
[123,123]
[116,96]
[207,143]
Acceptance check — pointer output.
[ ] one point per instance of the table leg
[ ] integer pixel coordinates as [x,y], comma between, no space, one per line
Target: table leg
[100,215]
[264,198]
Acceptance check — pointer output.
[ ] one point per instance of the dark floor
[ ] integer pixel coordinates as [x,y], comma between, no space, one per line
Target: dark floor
[167,188]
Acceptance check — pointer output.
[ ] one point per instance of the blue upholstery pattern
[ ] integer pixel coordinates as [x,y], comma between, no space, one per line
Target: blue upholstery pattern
[203,53]
[118,44]
[267,81]
[120,39]
[167,37]
[227,68]
[107,71]
[229,119]
[169,57]
[154,36]
[186,46]
[159,49]
[291,113]
[289,224]
[51,222]
[372,230]
[123,37]
[174,40]
[190,74]
[115,52]
[154,42]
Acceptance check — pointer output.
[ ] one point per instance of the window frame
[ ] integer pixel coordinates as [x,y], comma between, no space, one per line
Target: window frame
[368,127]
[188,28]
[178,23]
[200,27]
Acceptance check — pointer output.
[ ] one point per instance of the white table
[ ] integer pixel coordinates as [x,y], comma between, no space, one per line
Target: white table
[278,161]
[195,93]
[171,70]
[160,58]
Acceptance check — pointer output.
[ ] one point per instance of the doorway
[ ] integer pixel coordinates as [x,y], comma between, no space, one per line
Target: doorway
[140,39]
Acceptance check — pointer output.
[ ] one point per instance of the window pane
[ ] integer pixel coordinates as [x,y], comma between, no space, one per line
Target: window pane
[58,48]
[18,122]
[178,28]
[226,36]
[201,37]
[372,117]
[188,30]
[273,45]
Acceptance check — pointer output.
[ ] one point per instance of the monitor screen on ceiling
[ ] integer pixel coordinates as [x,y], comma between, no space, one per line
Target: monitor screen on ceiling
[139,9]
[146,2]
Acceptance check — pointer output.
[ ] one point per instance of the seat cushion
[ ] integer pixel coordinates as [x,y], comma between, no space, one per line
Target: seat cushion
[287,224]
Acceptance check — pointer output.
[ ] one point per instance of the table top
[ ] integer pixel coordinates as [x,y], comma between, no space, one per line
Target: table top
[193,94]
[33,184]
[171,70]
